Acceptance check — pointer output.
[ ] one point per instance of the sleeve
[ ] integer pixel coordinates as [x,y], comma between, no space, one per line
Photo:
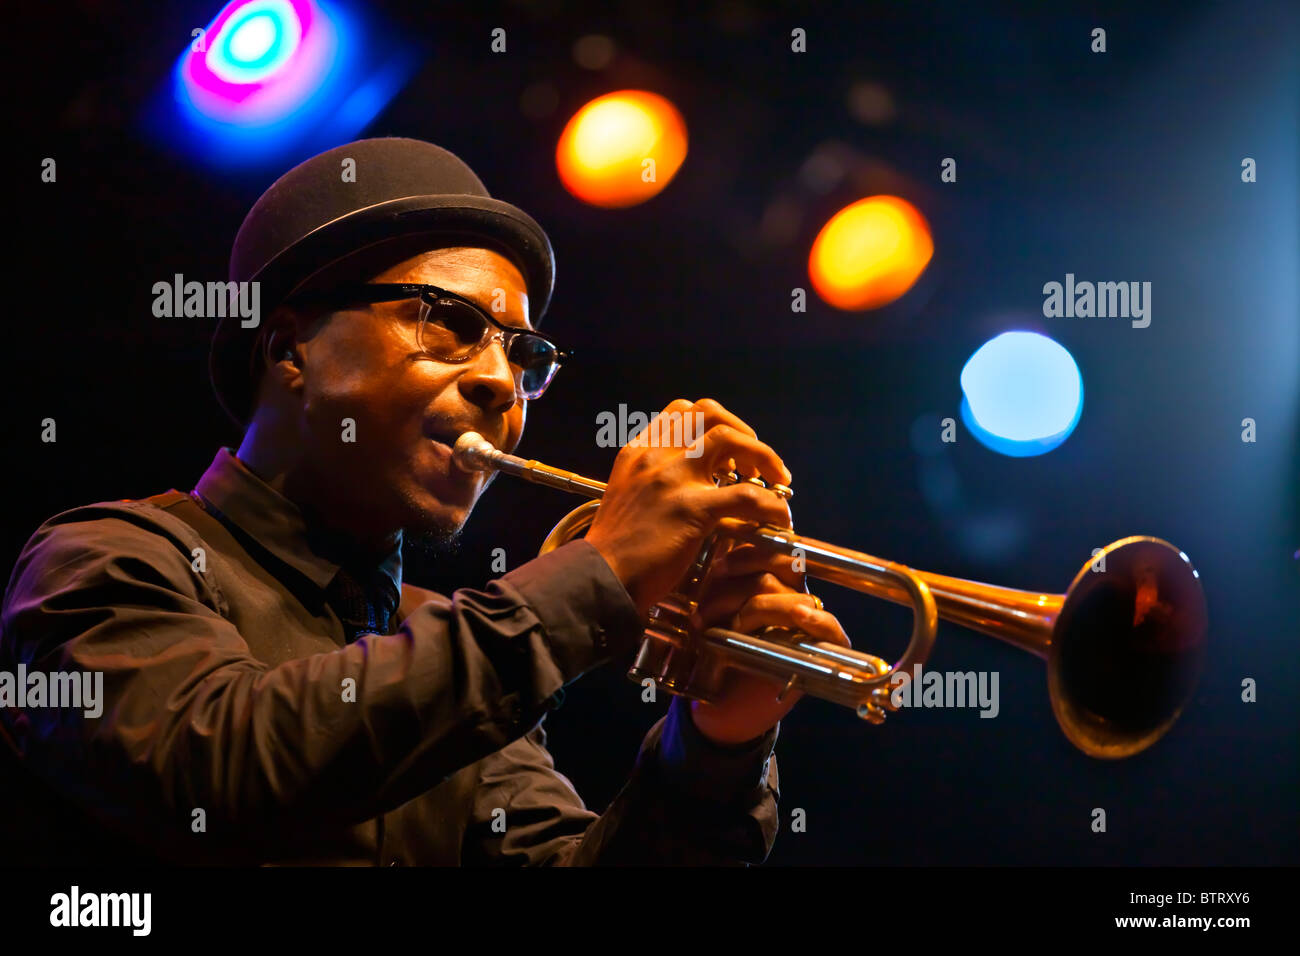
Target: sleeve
[688,801]
[191,719]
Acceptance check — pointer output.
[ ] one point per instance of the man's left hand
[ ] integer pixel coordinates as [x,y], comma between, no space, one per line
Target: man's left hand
[746,591]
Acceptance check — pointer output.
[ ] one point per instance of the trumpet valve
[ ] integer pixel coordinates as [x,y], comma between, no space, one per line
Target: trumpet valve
[732,478]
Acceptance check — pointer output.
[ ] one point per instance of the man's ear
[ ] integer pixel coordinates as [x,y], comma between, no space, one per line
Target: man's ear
[276,339]
[279,340]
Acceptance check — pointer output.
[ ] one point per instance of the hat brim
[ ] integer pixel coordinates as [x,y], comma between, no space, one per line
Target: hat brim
[445,220]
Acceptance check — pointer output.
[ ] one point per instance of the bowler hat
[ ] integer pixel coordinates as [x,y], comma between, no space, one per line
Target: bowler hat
[328,209]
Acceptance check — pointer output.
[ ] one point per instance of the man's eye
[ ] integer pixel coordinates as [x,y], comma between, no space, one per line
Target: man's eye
[454,320]
[529,350]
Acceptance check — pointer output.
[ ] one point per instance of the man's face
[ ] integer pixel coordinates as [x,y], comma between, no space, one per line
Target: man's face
[364,363]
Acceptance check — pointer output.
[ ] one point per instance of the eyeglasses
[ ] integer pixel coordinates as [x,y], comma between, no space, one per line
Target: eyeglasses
[454,329]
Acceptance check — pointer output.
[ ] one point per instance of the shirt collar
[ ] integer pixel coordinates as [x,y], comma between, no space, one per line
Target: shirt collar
[276,523]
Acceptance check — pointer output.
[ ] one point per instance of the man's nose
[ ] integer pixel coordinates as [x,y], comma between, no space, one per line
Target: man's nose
[488,381]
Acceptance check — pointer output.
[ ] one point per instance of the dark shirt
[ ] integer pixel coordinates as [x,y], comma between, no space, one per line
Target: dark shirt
[246,721]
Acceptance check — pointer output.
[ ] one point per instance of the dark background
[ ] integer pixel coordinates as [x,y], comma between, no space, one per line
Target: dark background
[1122,166]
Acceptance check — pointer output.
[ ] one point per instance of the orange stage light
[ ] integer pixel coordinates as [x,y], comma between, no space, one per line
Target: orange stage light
[603,152]
[870,253]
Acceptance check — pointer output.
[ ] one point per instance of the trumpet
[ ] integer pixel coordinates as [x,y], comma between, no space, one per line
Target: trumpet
[1124,645]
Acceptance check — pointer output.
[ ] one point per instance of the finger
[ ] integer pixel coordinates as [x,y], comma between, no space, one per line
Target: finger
[715,414]
[745,502]
[730,468]
[682,422]
[672,427]
[771,608]
[678,406]
[711,451]
[721,600]
[797,611]
[745,558]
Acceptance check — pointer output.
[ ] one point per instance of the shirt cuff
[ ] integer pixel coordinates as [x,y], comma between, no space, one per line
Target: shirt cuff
[586,613]
[694,765]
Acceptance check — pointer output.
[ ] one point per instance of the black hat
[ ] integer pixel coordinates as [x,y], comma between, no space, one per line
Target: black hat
[314,216]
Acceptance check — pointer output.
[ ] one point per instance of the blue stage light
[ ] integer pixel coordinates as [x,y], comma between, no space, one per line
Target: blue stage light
[272,80]
[1022,394]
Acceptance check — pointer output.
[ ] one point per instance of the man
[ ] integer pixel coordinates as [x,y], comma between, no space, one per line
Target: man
[273,692]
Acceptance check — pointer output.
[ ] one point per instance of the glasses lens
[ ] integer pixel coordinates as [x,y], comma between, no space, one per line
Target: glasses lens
[537,361]
[454,330]
[450,329]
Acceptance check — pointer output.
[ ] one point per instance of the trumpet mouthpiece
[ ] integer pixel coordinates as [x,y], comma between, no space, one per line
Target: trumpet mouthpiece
[470,450]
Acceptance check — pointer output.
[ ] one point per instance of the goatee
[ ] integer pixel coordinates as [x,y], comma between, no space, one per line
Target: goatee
[425,549]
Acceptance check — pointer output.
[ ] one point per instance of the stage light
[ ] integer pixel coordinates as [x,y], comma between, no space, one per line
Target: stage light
[260,40]
[1022,394]
[870,253]
[269,80]
[621,149]
[261,60]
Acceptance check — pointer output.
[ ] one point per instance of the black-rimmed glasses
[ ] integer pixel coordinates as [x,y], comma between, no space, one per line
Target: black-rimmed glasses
[454,329]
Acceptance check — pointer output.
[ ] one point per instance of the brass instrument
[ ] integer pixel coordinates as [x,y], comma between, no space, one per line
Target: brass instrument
[1124,645]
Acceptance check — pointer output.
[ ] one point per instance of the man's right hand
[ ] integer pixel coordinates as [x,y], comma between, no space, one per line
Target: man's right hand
[660,504]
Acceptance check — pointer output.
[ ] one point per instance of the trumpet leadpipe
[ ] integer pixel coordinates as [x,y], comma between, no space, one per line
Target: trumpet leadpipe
[473,452]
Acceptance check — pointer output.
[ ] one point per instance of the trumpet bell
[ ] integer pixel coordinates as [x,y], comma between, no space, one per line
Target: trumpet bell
[1128,647]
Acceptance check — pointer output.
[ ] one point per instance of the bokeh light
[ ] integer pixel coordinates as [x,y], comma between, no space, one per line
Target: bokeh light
[272,81]
[602,153]
[261,60]
[1022,394]
[870,253]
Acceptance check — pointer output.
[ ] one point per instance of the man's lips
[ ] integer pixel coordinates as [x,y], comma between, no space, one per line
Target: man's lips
[441,442]
[446,436]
